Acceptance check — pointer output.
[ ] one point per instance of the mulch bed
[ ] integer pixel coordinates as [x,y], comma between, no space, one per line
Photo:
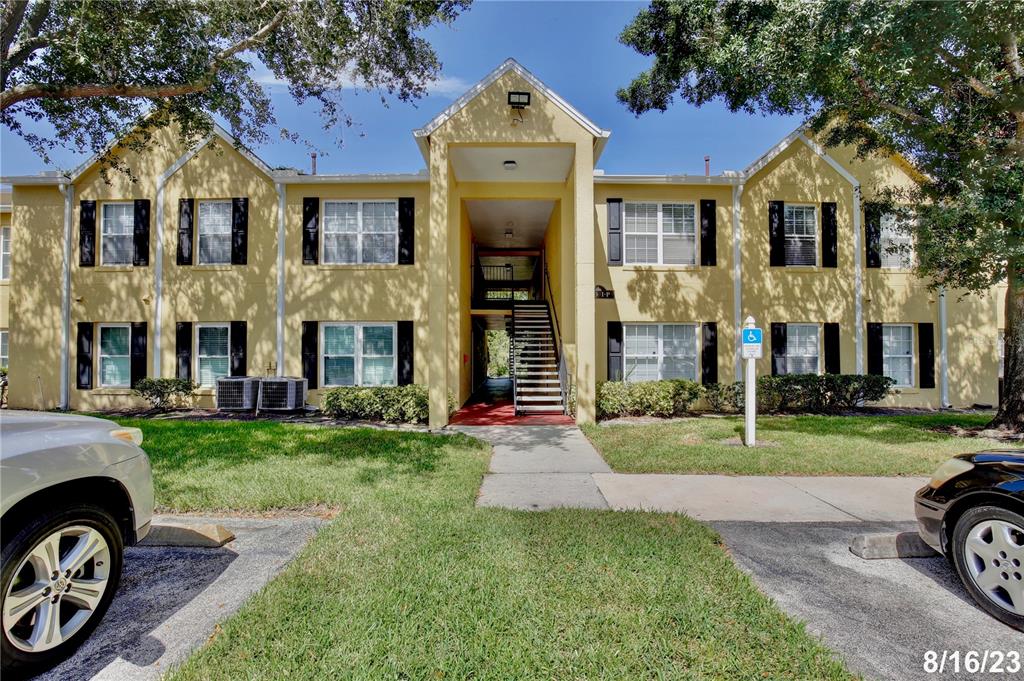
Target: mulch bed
[981,431]
[311,417]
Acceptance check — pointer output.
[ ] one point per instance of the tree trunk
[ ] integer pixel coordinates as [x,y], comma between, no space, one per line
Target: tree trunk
[1011,408]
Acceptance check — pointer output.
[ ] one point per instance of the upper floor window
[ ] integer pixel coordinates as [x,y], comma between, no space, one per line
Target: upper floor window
[660,351]
[802,355]
[213,358]
[801,227]
[898,353]
[117,234]
[214,232]
[360,232]
[115,356]
[660,233]
[896,244]
[5,253]
[358,354]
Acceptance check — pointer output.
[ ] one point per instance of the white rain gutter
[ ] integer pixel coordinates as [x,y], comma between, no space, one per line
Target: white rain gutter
[281,191]
[943,352]
[158,271]
[858,276]
[737,287]
[68,190]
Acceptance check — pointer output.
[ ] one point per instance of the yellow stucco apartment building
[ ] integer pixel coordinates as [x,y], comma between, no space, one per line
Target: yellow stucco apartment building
[212,264]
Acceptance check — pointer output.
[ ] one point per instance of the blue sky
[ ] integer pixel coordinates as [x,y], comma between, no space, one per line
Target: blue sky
[572,46]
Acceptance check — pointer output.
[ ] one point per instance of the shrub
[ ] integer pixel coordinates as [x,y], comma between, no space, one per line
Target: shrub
[647,398]
[724,397]
[391,404]
[802,393]
[164,393]
[853,390]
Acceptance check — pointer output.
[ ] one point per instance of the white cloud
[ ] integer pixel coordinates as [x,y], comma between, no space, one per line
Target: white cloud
[448,87]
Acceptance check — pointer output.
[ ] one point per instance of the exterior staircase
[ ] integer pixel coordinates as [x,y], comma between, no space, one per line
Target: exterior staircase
[533,360]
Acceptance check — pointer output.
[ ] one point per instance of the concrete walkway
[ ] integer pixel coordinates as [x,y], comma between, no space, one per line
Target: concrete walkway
[544,467]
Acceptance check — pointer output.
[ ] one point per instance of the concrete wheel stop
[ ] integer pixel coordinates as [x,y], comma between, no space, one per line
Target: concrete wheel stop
[196,535]
[891,545]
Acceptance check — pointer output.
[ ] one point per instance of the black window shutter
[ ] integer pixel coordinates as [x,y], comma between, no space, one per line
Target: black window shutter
[87,234]
[140,236]
[239,231]
[310,233]
[310,352]
[405,353]
[615,220]
[238,344]
[84,355]
[614,351]
[829,236]
[831,333]
[709,354]
[186,210]
[407,231]
[875,348]
[873,235]
[183,350]
[138,351]
[708,233]
[778,349]
[777,233]
[926,354]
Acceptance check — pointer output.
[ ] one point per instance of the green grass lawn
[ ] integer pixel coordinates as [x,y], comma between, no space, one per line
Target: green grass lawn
[411,581]
[802,445]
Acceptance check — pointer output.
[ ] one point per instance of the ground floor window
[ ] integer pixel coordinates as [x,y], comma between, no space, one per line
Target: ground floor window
[660,351]
[898,353]
[213,359]
[115,356]
[802,355]
[1001,344]
[357,354]
[4,359]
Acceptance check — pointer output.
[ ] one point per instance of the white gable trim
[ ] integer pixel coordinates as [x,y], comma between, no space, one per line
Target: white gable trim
[509,64]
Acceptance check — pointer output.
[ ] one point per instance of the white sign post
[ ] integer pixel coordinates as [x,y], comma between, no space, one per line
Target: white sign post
[750,349]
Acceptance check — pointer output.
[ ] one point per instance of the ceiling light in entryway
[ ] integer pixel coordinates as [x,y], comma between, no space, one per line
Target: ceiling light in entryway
[510,165]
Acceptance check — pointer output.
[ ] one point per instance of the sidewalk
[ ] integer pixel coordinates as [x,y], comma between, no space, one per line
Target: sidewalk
[545,467]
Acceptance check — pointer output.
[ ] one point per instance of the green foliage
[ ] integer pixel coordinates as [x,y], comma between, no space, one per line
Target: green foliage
[646,398]
[97,69]
[724,397]
[497,353]
[801,393]
[941,83]
[164,393]
[391,404]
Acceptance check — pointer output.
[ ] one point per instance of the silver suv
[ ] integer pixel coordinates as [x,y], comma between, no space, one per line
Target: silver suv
[75,491]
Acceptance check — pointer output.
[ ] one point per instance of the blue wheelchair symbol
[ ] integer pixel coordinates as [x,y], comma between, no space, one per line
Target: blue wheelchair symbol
[752,336]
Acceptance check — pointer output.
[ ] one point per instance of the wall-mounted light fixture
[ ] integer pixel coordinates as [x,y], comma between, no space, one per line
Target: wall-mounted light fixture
[510,165]
[508,235]
[518,100]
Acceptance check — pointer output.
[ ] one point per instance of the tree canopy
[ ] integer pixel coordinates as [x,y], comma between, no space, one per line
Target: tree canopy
[94,69]
[941,83]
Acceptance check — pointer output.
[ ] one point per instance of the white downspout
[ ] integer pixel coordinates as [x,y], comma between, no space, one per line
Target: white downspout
[943,351]
[281,192]
[737,286]
[68,190]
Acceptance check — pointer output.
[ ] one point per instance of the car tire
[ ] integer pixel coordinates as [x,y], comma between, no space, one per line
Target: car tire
[992,571]
[85,537]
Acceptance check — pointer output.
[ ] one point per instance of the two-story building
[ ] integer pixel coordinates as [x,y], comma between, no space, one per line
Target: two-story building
[213,264]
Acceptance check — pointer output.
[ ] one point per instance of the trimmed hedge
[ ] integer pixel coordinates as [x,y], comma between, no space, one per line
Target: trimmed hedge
[164,393]
[391,404]
[802,393]
[647,398]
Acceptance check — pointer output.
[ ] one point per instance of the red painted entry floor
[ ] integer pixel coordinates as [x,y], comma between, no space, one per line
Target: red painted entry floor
[492,405]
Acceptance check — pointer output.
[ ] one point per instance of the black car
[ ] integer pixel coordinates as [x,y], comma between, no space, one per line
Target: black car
[972,512]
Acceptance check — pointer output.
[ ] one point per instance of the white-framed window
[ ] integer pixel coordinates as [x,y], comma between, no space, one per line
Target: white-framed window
[117,233]
[359,232]
[214,232]
[357,354]
[896,244]
[5,253]
[213,353]
[5,357]
[898,353]
[801,230]
[660,233]
[660,351]
[115,367]
[802,349]
[1003,350]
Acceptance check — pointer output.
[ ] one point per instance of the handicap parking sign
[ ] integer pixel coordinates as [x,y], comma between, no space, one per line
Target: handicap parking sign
[751,343]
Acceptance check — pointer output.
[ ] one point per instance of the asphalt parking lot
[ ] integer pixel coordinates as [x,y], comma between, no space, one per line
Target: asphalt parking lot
[882,616]
[171,599]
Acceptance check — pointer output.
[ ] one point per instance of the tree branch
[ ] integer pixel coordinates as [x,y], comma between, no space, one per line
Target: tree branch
[14,14]
[1012,56]
[33,25]
[905,114]
[253,40]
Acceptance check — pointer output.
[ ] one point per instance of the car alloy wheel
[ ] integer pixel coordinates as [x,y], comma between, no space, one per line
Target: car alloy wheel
[993,554]
[57,588]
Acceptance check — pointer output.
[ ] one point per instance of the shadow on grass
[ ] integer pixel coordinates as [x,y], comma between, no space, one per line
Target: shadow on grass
[891,430]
